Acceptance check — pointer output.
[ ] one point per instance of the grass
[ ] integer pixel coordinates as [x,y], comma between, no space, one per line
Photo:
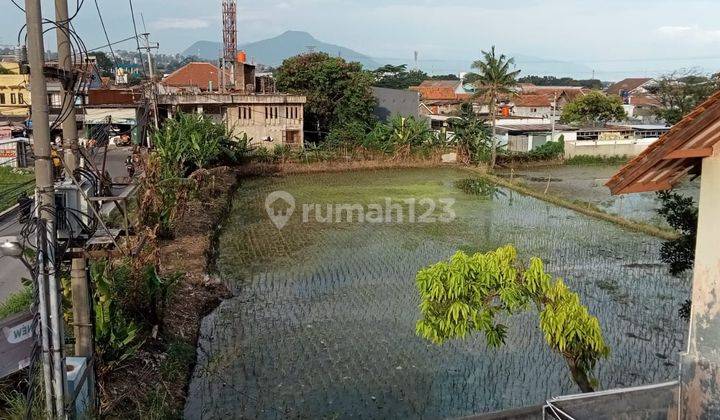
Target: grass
[597,160]
[16,303]
[12,184]
[582,207]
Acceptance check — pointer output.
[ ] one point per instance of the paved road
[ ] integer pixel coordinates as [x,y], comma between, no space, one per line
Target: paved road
[11,270]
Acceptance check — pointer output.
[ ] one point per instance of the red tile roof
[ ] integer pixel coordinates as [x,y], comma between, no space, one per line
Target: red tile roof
[627,85]
[644,100]
[441,90]
[195,75]
[532,100]
[678,152]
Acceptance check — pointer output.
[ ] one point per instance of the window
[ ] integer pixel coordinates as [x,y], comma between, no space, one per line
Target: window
[21,99]
[245,113]
[13,98]
[2,99]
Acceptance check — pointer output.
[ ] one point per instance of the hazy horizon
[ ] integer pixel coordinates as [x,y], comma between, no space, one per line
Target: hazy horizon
[615,38]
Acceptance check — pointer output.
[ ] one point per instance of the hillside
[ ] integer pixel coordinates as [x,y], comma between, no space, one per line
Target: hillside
[273,51]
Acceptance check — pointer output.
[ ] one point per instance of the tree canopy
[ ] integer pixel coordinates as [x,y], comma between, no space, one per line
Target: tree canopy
[104,64]
[468,293]
[681,91]
[595,108]
[338,92]
[561,81]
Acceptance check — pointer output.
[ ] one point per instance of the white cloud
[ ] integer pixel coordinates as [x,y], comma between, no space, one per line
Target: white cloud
[181,23]
[690,33]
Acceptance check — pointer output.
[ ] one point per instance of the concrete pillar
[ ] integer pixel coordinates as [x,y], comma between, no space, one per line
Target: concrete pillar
[700,393]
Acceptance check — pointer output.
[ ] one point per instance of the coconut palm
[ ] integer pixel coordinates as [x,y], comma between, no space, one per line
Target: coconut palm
[495,78]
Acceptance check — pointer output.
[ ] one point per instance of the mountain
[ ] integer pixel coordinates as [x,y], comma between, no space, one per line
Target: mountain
[273,51]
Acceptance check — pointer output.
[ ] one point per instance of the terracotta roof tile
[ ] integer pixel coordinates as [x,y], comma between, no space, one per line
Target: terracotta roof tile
[627,85]
[196,75]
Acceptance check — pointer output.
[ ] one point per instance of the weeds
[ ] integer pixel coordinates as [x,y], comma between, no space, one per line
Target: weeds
[597,160]
[17,302]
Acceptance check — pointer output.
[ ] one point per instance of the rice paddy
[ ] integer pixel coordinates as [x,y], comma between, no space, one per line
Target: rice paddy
[323,319]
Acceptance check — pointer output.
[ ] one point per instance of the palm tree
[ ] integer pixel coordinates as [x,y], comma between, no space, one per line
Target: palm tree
[495,78]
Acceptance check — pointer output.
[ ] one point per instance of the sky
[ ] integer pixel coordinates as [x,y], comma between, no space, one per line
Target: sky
[613,37]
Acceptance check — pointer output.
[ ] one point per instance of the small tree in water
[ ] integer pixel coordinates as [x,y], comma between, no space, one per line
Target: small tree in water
[466,293]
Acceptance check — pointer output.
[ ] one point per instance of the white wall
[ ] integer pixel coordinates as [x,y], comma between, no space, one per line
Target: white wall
[606,148]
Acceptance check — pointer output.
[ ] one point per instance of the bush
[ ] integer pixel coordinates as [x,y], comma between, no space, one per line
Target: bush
[550,150]
[597,160]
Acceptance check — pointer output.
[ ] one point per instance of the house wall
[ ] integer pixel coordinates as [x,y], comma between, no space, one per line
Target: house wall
[609,148]
[14,95]
[393,102]
[268,125]
[538,112]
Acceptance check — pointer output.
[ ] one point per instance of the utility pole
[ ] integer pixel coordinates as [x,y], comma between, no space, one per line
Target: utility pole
[69,125]
[82,324]
[46,201]
[151,68]
[554,107]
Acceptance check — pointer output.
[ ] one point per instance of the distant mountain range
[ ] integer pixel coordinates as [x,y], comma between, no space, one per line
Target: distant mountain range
[273,51]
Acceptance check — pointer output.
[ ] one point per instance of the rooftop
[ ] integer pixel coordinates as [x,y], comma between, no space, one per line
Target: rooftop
[678,153]
[627,85]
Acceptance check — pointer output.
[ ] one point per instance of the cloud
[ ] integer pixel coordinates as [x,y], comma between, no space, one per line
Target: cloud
[690,33]
[181,23]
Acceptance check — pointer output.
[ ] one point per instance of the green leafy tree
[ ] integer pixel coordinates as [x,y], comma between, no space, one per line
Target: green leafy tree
[682,91]
[561,81]
[338,92]
[595,108]
[398,77]
[495,79]
[473,136]
[467,294]
[104,64]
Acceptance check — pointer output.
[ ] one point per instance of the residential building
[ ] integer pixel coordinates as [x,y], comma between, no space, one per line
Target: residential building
[393,102]
[528,137]
[630,87]
[245,102]
[14,91]
[443,97]
[267,119]
[532,105]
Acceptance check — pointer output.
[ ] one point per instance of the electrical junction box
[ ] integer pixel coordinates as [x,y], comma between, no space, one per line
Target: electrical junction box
[78,378]
[73,210]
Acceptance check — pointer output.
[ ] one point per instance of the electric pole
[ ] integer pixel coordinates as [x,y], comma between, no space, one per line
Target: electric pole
[46,212]
[78,275]
[65,62]
[151,69]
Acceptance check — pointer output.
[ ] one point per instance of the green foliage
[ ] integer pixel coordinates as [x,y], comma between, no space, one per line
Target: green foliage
[494,78]
[594,108]
[468,293]
[116,335]
[126,301]
[681,214]
[398,77]
[337,91]
[104,64]
[597,160]
[561,81]
[550,150]
[16,303]
[193,141]
[14,183]
[281,153]
[477,186]
[473,136]
[682,91]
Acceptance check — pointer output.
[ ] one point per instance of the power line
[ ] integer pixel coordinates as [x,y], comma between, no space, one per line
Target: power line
[107,38]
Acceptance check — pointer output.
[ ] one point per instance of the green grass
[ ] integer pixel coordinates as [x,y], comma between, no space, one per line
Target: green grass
[597,160]
[16,303]
[12,184]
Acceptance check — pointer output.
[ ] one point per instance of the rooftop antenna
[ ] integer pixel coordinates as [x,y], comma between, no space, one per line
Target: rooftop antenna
[417,53]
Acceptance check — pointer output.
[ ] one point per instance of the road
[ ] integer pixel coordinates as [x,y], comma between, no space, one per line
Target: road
[11,270]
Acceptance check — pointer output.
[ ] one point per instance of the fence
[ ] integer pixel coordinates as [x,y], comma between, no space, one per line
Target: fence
[606,148]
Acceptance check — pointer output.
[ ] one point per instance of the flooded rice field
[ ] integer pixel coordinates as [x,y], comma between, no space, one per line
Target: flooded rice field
[322,324]
[587,183]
